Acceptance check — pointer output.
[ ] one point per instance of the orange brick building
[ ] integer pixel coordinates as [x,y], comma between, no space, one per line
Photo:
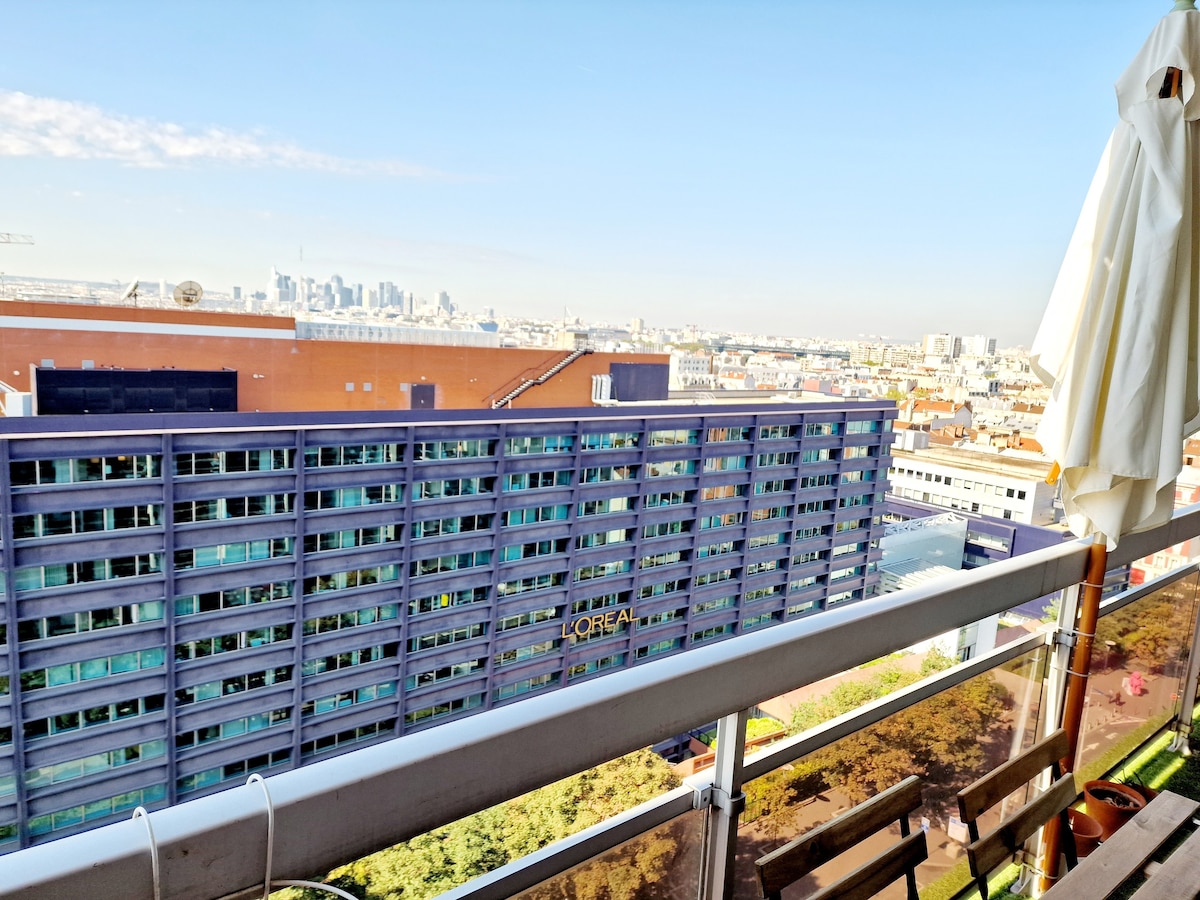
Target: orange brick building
[279,372]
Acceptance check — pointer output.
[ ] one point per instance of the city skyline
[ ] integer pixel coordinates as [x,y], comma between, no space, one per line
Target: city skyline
[774,164]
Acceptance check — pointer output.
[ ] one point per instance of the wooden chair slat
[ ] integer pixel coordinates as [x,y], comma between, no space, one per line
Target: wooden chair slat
[996,846]
[797,858]
[868,880]
[1002,781]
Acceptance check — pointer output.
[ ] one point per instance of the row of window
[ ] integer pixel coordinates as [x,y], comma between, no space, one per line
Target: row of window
[227,643]
[121,804]
[43,776]
[342,699]
[88,669]
[90,620]
[233,728]
[348,659]
[232,771]
[236,684]
[64,723]
[103,468]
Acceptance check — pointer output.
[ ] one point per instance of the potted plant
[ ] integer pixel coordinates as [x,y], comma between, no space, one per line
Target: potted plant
[1087,832]
[1134,781]
[1111,804]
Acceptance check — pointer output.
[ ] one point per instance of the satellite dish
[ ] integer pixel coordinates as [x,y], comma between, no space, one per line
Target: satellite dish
[188,293]
[131,292]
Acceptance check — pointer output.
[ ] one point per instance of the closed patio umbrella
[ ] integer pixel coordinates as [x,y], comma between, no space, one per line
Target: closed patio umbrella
[1120,339]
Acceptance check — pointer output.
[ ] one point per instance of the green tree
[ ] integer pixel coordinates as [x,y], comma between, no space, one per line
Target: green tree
[437,861]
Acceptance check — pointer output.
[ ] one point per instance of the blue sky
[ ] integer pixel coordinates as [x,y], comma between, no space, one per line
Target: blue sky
[796,168]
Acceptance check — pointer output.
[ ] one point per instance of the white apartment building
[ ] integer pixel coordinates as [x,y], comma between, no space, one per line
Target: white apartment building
[1006,484]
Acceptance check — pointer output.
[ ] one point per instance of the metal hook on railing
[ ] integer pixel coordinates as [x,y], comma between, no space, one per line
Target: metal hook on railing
[267,882]
[140,813]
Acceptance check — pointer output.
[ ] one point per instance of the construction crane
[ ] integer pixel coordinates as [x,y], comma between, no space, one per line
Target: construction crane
[6,238]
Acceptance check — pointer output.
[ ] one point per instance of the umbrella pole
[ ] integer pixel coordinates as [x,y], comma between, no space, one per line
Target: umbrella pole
[1077,679]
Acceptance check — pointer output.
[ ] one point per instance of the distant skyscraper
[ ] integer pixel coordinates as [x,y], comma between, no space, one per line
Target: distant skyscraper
[443,303]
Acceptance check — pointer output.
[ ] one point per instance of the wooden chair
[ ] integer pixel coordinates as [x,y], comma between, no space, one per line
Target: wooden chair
[796,859]
[987,852]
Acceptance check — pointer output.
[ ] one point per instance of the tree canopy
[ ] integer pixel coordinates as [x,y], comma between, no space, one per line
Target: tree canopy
[433,863]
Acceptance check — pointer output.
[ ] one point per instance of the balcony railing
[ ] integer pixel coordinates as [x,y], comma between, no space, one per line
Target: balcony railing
[329,813]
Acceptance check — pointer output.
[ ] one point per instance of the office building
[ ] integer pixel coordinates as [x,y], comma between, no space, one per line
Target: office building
[191,598]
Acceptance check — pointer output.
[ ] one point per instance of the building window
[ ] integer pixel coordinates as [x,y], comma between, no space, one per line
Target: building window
[348,659]
[351,619]
[600,474]
[521,620]
[233,728]
[555,443]
[530,481]
[614,440]
[43,776]
[602,538]
[224,462]
[343,498]
[468,449]
[526,685]
[233,554]
[724,463]
[532,583]
[90,620]
[769,460]
[239,640]
[612,661]
[725,435]
[442,710]
[352,455]
[340,581]
[35,578]
[444,638]
[659,647]
[610,505]
[664,529]
[520,654]
[776,432]
[24,473]
[535,514]
[603,570]
[453,487]
[451,525]
[75,720]
[188,511]
[445,673]
[710,634]
[333,702]
[669,467]
[707,606]
[213,601]
[451,562]
[447,600]
[352,537]
[83,521]
[670,498]
[236,684]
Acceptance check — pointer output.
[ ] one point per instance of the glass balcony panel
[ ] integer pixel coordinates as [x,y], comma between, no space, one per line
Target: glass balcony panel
[664,862]
[1138,672]
[948,740]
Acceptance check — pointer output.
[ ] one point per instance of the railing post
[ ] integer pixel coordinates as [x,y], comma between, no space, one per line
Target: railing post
[1187,702]
[1060,661]
[725,806]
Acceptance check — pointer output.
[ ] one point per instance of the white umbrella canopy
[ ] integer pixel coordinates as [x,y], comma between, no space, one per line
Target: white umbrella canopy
[1120,340]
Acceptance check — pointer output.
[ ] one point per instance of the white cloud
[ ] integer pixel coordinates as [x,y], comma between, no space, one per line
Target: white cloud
[44,126]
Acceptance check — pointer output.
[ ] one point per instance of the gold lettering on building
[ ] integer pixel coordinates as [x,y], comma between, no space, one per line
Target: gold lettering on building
[585,625]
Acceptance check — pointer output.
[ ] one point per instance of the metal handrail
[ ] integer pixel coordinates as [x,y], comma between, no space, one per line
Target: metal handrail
[337,810]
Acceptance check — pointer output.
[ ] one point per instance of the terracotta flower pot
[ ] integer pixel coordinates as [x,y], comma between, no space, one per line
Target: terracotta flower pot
[1087,832]
[1111,804]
